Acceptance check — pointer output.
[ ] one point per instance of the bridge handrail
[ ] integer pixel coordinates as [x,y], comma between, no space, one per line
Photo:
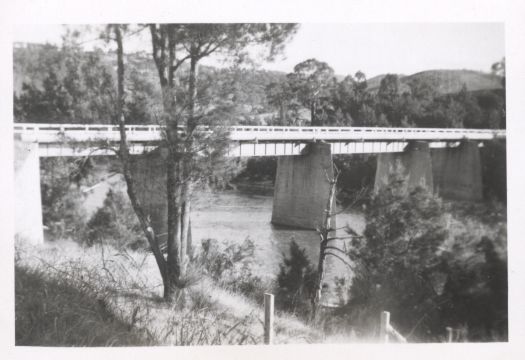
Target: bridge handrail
[37,127]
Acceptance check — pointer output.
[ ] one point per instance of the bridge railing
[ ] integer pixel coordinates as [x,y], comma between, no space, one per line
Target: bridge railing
[262,133]
[81,132]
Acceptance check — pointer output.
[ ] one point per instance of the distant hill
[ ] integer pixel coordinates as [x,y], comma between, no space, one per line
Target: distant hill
[446,81]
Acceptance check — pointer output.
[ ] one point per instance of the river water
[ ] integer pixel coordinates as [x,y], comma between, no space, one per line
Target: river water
[232,216]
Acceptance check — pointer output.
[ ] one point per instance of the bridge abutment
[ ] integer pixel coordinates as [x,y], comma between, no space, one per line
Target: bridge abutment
[414,165]
[28,199]
[302,187]
[457,172]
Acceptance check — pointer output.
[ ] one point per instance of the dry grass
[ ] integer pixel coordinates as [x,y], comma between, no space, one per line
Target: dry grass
[51,312]
[68,295]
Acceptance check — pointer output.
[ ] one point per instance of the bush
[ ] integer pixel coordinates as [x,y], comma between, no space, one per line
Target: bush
[296,282]
[414,263]
[476,292]
[231,267]
[259,169]
[61,196]
[356,172]
[397,262]
[116,223]
[494,170]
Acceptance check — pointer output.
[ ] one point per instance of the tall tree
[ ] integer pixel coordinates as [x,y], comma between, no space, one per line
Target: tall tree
[280,95]
[314,81]
[114,32]
[389,97]
[173,45]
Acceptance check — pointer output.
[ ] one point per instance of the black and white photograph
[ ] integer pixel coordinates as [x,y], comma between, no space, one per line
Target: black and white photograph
[200,183]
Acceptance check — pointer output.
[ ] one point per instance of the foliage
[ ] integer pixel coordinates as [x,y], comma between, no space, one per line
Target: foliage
[476,294]
[397,258]
[494,170]
[296,282]
[259,169]
[61,195]
[428,99]
[192,155]
[72,86]
[312,81]
[231,267]
[115,223]
[222,262]
[356,172]
[58,84]
[427,273]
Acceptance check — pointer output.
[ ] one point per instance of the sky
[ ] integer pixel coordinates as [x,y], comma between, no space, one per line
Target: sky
[373,48]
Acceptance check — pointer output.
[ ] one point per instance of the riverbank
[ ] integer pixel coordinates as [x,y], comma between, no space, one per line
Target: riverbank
[68,295]
[253,187]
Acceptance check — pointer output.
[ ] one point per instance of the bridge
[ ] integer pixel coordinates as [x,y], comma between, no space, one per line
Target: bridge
[246,141]
[446,161]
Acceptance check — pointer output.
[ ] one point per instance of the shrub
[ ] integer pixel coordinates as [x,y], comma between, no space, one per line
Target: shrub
[61,196]
[116,223]
[231,267]
[356,172]
[429,272]
[296,282]
[476,292]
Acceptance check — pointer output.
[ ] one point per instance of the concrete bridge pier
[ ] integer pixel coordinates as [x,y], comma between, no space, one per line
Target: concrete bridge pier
[414,165]
[28,200]
[457,172]
[302,187]
[149,172]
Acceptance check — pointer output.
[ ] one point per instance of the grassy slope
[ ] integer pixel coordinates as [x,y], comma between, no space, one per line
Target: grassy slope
[49,311]
[71,296]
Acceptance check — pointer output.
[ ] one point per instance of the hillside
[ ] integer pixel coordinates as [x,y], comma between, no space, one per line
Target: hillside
[445,81]
[58,84]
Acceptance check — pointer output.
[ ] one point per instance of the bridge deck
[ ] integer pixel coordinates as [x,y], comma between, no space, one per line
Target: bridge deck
[79,132]
[253,140]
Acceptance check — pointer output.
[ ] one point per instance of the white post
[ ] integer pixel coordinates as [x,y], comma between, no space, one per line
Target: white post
[385,323]
[268,319]
[450,334]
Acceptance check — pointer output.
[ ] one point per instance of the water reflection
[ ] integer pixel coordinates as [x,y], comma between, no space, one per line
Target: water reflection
[232,216]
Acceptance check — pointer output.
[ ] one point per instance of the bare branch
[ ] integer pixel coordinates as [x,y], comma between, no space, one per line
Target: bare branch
[360,196]
[343,238]
[335,248]
[340,258]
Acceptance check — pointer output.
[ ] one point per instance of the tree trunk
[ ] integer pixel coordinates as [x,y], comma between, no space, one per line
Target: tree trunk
[179,187]
[324,234]
[187,186]
[313,120]
[185,225]
[126,161]
[173,271]
[283,113]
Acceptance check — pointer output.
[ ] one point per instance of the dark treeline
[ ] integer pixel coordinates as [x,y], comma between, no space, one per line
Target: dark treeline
[427,99]
[68,84]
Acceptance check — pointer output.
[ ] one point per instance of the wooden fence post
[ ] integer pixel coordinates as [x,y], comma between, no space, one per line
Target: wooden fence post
[450,334]
[268,318]
[383,329]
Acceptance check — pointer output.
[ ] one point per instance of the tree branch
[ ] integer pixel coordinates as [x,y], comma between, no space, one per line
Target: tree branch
[340,258]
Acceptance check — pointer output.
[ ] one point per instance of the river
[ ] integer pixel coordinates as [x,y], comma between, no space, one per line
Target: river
[232,216]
